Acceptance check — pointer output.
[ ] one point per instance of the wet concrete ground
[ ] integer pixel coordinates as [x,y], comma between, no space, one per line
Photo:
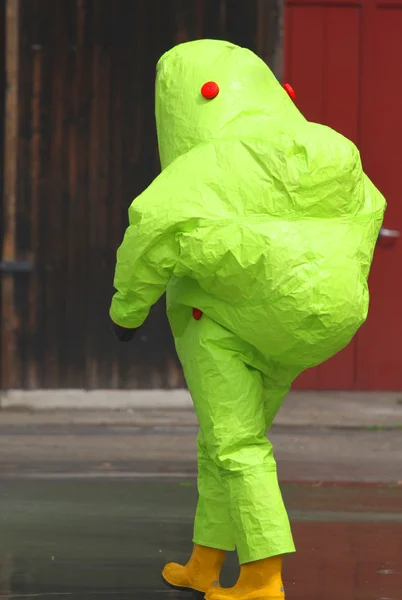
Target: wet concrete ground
[109,538]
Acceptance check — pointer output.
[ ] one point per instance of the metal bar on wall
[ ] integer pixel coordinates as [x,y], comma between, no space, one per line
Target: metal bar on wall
[9,376]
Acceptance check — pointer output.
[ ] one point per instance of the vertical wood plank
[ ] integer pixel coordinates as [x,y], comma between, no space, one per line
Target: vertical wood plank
[2,98]
[99,359]
[33,366]
[2,122]
[57,202]
[116,216]
[9,360]
[42,18]
[270,34]
[23,232]
[77,143]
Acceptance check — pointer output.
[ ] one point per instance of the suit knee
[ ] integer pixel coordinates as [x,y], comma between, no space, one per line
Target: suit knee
[242,455]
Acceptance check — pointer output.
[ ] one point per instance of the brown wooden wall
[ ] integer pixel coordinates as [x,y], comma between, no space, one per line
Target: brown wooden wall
[86,148]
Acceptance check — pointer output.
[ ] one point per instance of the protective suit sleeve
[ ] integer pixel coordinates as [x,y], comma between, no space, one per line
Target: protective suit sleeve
[150,249]
[145,262]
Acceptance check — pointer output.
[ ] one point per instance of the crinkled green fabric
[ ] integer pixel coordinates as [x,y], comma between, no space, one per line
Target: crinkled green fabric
[266,223]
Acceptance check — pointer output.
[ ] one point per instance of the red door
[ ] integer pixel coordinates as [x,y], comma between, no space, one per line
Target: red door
[344,60]
[379,343]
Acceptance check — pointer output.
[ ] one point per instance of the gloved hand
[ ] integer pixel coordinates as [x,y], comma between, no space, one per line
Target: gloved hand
[123,334]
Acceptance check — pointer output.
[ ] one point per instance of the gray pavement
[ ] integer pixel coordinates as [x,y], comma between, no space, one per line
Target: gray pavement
[346,409]
[316,437]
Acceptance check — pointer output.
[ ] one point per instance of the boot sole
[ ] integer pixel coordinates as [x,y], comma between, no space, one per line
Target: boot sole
[196,593]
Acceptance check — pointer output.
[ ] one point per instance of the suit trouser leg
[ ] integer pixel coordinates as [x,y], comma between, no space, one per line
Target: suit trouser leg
[240,501]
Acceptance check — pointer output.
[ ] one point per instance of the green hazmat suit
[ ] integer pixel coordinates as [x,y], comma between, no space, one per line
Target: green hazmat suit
[267,224]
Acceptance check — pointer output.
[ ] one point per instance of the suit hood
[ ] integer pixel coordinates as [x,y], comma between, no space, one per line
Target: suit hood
[250,97]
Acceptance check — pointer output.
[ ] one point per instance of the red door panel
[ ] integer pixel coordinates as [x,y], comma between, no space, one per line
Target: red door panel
[330,3]
[322,54]
[380,340]
[388,3]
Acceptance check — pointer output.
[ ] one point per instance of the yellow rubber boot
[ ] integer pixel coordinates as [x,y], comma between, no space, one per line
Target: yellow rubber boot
[258,580]
[199,574]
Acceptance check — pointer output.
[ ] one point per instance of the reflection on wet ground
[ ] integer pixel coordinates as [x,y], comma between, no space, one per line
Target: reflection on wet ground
[110,538]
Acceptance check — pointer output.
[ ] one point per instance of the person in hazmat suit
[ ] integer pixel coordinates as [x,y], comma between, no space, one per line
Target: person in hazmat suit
[261,228]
